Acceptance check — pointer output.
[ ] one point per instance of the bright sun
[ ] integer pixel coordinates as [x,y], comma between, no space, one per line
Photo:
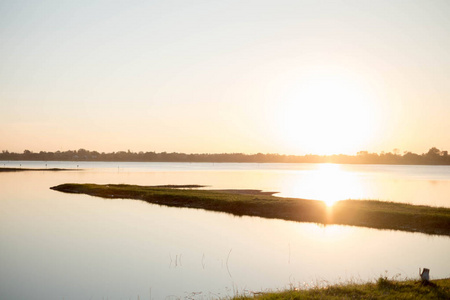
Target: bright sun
[328,115]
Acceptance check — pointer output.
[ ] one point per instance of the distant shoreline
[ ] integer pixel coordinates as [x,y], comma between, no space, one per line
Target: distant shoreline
[227,162]
[434,156]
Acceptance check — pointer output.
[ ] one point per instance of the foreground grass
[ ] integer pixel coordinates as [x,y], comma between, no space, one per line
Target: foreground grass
[382,289]
[373,214]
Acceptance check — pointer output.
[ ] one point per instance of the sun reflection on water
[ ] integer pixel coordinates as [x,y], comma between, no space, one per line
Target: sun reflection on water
[331,183]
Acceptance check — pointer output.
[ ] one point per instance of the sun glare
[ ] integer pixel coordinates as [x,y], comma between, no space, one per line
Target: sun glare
[328,115]
[332,178]
[330,184]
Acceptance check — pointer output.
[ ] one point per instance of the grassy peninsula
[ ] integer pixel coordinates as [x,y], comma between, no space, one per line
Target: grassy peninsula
[383,289]
[365,213]
[31,169]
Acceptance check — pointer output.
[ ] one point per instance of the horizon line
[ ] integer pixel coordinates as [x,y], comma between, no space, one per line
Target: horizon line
[395,152]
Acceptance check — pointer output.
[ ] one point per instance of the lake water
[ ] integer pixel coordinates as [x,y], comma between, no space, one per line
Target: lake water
[67,246]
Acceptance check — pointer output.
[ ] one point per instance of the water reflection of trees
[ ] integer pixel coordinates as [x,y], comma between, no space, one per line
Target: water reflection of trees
[433,157]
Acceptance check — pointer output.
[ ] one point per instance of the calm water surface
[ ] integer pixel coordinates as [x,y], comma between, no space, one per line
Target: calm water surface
[64,246]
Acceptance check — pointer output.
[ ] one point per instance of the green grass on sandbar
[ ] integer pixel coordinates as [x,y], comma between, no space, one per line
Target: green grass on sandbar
[365,213]
[7,169]
[382,289]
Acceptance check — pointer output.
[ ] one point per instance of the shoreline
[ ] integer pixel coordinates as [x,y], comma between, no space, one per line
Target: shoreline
[237,162]
[362,213]
[382,288]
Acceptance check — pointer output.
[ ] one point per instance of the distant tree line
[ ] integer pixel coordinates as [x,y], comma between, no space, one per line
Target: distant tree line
[433,157]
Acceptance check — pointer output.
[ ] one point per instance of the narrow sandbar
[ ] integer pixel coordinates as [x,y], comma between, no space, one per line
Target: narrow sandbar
[364,213]
[3,169]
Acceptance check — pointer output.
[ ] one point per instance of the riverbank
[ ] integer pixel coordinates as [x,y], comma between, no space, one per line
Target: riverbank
[364,213]
[382,289]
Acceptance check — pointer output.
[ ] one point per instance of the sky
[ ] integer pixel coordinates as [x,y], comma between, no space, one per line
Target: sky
[288,77]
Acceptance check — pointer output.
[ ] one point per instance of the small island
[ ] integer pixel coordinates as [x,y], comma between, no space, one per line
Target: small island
[364,213]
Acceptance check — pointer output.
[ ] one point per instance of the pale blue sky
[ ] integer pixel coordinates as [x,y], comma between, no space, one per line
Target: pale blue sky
[280,76]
